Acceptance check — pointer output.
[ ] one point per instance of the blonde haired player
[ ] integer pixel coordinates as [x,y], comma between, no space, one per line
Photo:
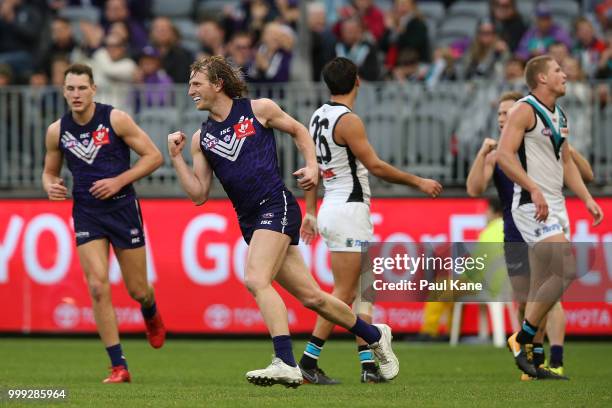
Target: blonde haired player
[534,154]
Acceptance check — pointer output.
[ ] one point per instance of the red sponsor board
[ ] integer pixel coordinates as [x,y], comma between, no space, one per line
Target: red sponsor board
[196,257]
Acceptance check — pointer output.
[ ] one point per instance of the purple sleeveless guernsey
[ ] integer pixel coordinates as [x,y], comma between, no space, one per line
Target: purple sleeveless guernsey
[94,152]
[242,154]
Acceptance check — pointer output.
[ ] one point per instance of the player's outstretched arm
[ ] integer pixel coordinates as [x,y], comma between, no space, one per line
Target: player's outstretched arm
[482,168]
[52,183]
[351,131]
[573,180]
[270,115]
[196,182]
[150,156]
[585,169]
[520,118]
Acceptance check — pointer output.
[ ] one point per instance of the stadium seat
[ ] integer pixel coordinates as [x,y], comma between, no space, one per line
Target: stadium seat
[477,9]
[568,8]
[213,8]
[186,27]
[498,323]
[78,13]
[432,10]
[173,8]
[455,28]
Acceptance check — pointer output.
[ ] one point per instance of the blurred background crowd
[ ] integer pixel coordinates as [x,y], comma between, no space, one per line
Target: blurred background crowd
[155,41]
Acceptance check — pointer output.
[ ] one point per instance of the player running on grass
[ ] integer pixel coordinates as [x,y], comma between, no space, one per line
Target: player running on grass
[96,139]
[484,169]
[237,144]
[533,153]
[345,156]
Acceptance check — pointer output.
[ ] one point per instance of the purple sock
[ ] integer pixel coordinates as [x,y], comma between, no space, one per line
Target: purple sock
[366,331]
[116,356]
[284,350]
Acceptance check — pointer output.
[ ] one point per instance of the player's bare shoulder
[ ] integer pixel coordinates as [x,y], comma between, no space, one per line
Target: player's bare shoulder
[120,121]
[522,115]
[349,127]
[53,134]
[264,109]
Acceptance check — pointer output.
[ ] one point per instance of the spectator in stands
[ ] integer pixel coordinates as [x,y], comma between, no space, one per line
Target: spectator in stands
[62,44]
[59,64]
[538,39]
[354,46]
[514,71]
[509,24]
[372,18]
[559,52]
[487,55]
[240,51]
[442,68]
[6,75]
[405,31]
[257,13]
[113,70]
[604,14]
[93,38]
[289,12]
[175,58]
[158,85]
[273,56]
[322,40]
[20,28]
[211,38]
[588,47]
[604,68]
[118,11]
[408,67]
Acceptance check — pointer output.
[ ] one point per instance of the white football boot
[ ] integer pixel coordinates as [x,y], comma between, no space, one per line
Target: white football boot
[387,361]
[276,373]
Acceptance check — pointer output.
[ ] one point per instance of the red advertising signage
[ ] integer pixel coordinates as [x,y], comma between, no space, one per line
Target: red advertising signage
[196,258]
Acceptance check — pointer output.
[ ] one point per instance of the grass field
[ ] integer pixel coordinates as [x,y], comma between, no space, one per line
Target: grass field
[203,373]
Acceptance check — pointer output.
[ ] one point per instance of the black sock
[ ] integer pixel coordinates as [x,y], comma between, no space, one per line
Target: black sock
[366,357]
[538,354]
[311,354]
[556,356]
[527,333]
[148,312]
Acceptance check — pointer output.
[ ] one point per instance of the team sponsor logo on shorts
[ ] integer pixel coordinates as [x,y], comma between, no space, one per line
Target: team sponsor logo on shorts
[244,128]
[100,137]
[266,222]
[357,243]
[82,234]
[134,231]
[268,215]
[548,228]
[136,240]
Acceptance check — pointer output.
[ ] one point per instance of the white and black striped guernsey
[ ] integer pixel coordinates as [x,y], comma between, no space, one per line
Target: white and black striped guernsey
[540,153]
[345,178]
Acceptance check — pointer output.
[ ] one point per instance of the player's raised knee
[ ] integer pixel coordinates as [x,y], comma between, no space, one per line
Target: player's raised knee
[313,299]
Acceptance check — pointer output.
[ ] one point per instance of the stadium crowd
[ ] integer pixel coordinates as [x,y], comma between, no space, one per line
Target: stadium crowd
[137,42]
